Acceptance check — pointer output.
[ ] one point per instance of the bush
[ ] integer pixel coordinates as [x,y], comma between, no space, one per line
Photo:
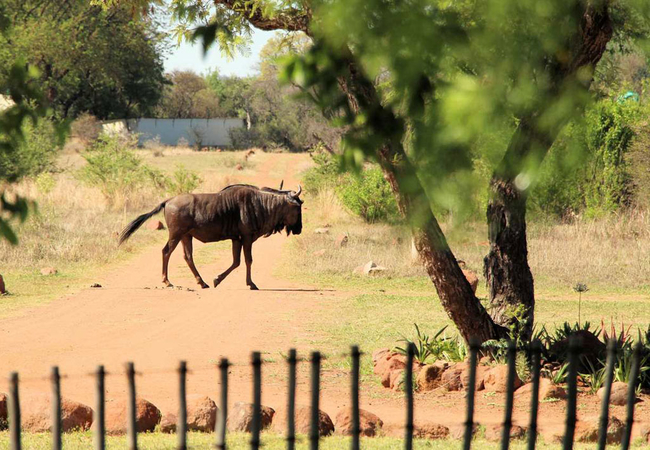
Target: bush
[183,181]
[117,171]
[86,128]
[369,196]
[35,154]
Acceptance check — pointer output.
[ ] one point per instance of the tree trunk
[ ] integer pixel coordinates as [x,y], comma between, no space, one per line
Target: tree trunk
[509,278]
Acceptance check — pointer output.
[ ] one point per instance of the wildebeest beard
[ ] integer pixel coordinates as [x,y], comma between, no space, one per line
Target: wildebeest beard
[296,228]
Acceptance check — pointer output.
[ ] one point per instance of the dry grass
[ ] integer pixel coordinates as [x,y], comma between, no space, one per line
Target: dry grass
[607,254]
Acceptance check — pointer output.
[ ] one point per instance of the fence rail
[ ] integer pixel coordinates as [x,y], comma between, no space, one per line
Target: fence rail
[533,352]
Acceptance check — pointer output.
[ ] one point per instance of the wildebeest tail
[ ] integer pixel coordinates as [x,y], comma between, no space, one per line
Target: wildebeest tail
[138,221]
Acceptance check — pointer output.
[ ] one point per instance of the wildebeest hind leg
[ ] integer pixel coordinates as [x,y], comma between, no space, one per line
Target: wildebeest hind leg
[166,253]
[187,251]
[236,259]
[248,257]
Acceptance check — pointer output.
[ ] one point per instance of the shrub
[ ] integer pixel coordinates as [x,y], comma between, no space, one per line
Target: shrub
[324,174]
[35,154]
[183,181]
[436,347]
[117,171]
[369,196]
[86,128]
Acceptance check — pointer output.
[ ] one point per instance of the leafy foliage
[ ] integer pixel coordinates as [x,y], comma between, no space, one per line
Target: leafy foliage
[436,347]
[117,171]
[183,181]
[368,196]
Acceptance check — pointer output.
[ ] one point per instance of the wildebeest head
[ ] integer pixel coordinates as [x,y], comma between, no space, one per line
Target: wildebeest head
[291,211]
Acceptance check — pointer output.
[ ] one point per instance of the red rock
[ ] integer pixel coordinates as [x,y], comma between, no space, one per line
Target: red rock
[618,395]
[147,416]
[458,431]
[201,413]
[168,423]
[480,375]
[46,271]
[377,354]
[341,241]
[547,390]
[451,378]
[430,431]
[369,423]
[587,431]
[495,379]
[493,433]
[396,378]
[430,376]
[472,278]
[303,421]
[240,417]
[154,225]
[36,414]
[391,362]
[239,167]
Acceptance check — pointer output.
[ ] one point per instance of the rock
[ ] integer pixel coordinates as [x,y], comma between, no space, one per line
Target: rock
[168,423]
[341,241]
[377,354]
[46,271]
[472,279]
[369,423]
[303,420]
[201,413]
[430,431]
[154,225]
[3,289]
[480,376]
[587,431]
[3,411]
[240,418]
[493,432]
[320,252]
[321,231]
[389,362]
[495,379]
[458,431]
[239,167]
[36,414]
[430,376]
[376,270]
[618,395]
[547,390]
[147,416]
[396,379]
[451,378]
[370,268]
[95,285]
[592,348]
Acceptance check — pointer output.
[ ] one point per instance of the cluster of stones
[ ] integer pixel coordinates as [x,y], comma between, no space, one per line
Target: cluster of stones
[442,375]
[36,417]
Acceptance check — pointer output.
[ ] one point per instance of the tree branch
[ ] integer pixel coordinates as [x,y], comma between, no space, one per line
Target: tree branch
[289,19]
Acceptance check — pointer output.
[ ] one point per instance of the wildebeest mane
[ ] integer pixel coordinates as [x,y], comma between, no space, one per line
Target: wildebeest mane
[261,210]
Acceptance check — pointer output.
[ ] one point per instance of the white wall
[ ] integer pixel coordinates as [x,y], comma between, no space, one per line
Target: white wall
[210,132]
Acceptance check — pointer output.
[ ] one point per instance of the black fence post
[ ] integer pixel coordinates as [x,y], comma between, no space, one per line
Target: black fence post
[314,430]
[222,414]
[604,407]
[257,400]
[354,389]
[56,408]
[510,395]
[292,360]
[182,406]
[408,391]
[131,427]
[631,395]
[14,412]
[100,420]
[474,347]
[536,362]
[572,383]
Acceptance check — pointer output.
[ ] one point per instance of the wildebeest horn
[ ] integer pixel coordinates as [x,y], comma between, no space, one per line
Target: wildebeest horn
[297,194]
[281,184]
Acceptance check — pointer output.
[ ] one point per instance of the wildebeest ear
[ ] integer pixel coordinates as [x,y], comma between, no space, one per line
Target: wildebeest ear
[281,184]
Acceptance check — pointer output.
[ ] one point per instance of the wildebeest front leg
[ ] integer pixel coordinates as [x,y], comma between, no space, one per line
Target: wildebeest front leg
[248,257]
[166,253]
[187,250]
[236,259]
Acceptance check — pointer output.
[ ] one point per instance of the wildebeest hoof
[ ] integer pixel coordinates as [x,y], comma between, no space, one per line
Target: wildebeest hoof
[204,285]
[216,282]
[253,287]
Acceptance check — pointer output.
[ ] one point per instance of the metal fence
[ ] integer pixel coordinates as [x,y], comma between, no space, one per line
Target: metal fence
[533,352]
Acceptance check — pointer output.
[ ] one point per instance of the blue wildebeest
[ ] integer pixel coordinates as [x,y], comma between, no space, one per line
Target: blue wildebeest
[240,212]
